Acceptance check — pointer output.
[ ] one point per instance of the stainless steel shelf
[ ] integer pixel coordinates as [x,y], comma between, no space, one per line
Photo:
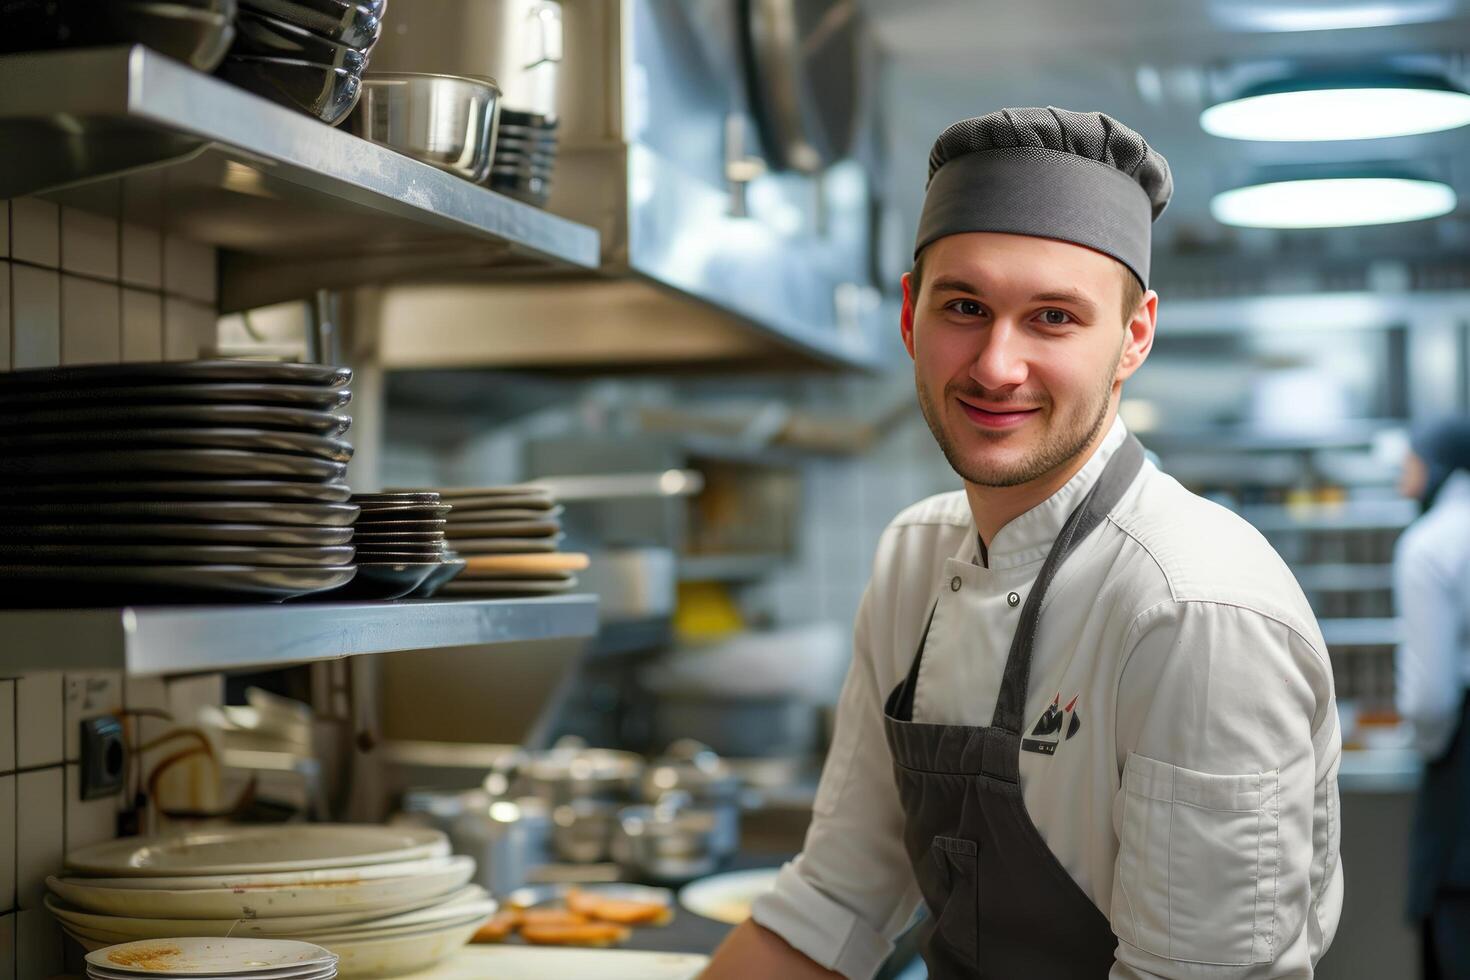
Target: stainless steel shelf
[1355,434]
[146,640]
[1344,577]
[1382,515]
[294,205]
[1360,632]
[727,568]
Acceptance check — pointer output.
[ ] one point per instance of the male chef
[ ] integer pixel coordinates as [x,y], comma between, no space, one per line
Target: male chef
[1089,722]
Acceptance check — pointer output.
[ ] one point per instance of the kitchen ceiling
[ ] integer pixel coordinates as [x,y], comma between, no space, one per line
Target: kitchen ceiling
[1155,64]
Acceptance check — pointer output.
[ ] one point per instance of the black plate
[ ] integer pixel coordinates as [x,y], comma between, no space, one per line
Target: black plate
[383,581]
[503,529]
[264,36]
[287,535]
[411,551]
[261,440]
[520,501]
[494,589]
[333,516]
[378,537]
[368,526]
[300,396]
[172,554]
[83,585]
[357,24]
[195,33]
[437,578]
[241,490]
[404,512]
[176,372]
[462,516]
[328,94]
[505,546]
[115,417]
[397,498]
[168,462]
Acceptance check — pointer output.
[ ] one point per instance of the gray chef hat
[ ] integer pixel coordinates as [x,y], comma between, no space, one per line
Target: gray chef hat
[1079,177]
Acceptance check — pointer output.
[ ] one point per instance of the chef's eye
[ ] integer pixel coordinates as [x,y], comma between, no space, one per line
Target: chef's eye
[1056,318]
[965,307]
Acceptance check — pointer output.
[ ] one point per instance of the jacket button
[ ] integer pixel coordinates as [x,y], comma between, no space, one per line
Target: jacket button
[954,584]
[1014,599]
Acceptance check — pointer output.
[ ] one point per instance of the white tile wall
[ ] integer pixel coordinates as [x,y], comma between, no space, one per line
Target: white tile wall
[142,256]
[7,728]
[35,317]
[35,232]
[7,842]
[188,329]
[142,326]
[62,301]
[87,821]
[91,321]
[40,839]
[189,269]
[38,949]
[39,720]
[89,244]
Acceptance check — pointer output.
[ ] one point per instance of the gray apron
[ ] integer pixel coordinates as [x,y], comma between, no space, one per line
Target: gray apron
[1002,905]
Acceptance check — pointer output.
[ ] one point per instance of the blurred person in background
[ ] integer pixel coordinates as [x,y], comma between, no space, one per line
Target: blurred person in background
[1431,578]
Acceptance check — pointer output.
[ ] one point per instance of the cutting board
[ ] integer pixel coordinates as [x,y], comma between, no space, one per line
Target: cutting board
[493,962]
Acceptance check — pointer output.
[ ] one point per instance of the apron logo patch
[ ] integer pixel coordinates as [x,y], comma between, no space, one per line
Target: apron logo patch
[1047,734]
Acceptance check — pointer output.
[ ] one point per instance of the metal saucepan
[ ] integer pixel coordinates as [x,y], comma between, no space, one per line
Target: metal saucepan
[448,121]
[671,841]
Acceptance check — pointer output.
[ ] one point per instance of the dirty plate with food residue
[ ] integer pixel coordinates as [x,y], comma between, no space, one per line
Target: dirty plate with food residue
[258,959]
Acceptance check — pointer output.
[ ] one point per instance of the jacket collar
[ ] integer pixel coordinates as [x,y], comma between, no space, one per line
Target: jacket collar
[1028,537]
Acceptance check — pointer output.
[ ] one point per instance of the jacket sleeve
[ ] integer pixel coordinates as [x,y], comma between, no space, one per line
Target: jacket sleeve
[850,892]
[1227,809]
[1427,683]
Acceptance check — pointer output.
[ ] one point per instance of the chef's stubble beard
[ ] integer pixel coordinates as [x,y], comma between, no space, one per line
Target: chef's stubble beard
[1056,449]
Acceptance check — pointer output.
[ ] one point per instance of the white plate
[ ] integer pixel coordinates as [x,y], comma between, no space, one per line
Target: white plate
[504,962]
[477,917]
[727,897]
[276,879]
[364,958]
[312,973]
[258,850]
[210,957]
[136,927]
[265,903]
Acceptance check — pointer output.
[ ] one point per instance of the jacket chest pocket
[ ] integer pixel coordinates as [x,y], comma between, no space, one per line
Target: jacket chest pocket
[1197,864]
[957,917]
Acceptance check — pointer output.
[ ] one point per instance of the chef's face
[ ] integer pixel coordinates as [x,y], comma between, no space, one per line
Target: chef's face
[1021,346]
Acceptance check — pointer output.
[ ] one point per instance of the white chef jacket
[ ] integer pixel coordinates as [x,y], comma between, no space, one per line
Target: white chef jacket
[1194,801]
[1431,578]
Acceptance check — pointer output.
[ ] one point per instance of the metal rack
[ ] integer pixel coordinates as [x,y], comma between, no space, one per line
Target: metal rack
[148,640]
[292,204]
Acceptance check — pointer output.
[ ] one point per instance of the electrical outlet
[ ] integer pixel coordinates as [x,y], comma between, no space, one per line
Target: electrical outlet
[104,757]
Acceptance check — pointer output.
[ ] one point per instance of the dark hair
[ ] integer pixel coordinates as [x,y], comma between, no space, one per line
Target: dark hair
[1132,288]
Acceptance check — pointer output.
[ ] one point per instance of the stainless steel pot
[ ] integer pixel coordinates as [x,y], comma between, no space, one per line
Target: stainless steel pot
[672,841]
[582,830]
[507,838]
[570,771]
[692,767]
[447,121]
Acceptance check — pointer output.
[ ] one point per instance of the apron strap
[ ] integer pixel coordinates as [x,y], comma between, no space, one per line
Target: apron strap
[901,702]
[1117,476]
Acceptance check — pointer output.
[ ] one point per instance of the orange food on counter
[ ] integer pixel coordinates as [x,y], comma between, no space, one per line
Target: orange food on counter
[574,934]
[619,910]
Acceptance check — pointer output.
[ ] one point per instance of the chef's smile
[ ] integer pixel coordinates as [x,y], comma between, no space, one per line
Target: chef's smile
[998,418]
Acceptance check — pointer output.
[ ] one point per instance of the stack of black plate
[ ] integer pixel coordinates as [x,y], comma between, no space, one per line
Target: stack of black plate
[507,520]
[194,31]
[525,155]
[188,481]
[308,54]
[400,547]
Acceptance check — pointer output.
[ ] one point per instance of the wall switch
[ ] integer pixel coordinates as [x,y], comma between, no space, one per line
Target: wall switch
[103,757]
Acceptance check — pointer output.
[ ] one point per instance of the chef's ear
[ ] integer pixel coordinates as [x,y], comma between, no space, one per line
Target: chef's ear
[1140,335]
[906,314]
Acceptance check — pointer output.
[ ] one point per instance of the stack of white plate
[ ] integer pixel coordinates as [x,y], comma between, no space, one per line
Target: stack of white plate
[235,959]
[385,900]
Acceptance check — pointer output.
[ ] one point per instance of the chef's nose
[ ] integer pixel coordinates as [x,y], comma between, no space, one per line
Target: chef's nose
[1000,362]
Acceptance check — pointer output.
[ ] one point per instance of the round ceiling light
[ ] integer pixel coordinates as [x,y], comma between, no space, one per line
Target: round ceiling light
[1335,202]
[1340,109]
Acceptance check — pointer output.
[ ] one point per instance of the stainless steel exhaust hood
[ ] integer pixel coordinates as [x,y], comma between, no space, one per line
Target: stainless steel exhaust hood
[711,258]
